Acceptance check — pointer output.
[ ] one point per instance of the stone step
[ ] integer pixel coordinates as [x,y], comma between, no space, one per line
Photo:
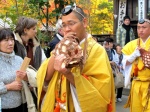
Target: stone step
[126,91]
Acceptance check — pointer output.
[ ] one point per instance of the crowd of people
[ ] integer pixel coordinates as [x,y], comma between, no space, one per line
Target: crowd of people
[75,73]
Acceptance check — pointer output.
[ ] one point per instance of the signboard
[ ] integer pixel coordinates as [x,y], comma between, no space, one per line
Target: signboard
[0,105]
[122,11]
[141,9]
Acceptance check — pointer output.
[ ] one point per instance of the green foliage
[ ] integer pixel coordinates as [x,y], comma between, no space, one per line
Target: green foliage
[101,18]
[108,5]
[43,36]
[16,9]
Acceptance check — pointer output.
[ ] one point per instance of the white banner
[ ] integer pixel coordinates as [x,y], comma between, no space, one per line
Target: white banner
[0,105]
[141,9]
[122,11]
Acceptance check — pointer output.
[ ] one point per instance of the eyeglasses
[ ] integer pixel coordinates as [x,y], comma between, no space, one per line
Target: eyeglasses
[68,9]
[69,24]
[141,21]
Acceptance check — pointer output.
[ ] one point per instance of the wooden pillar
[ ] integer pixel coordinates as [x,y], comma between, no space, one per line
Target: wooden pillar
[116,9]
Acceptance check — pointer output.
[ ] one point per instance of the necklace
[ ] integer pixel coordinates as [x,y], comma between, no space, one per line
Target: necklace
[60,104]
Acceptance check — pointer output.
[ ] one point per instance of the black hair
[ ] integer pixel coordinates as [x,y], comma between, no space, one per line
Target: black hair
[46,42]
[5,32]
[108,39]
[126,17]
[117,44]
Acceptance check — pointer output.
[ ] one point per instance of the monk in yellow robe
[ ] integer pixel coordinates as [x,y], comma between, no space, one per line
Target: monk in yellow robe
[139,97]
[72,90]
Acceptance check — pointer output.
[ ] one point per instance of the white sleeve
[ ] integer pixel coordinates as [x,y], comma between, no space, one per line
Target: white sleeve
[115,57]
[31,74]
[127,71]
[75,99]
[43,55]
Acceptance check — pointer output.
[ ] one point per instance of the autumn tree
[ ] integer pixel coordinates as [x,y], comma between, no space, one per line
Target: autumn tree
[100,15]
[46,11]
[13,9]
[99,12]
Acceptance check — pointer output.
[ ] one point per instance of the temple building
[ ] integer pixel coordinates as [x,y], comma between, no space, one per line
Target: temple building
[136,9]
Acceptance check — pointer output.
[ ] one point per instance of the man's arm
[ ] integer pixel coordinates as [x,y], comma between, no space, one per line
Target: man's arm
[118,35]
[132,35]
[133,56]
[50,70]
[3,88]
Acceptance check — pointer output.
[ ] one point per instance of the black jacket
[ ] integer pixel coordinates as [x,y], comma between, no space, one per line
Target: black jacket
[53,43]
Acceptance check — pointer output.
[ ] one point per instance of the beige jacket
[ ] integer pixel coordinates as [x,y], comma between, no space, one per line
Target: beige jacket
[26,93]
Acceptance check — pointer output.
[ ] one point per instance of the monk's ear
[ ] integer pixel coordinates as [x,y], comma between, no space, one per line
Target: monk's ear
[85,22]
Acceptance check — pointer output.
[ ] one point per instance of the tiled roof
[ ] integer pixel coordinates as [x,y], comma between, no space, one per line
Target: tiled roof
[4,24]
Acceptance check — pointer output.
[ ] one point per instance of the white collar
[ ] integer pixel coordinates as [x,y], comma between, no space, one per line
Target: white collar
[59,36]
[88,36]
[143,44]
[146,40]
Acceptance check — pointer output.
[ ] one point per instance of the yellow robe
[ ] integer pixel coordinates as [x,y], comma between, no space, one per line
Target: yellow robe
[95,92]
[139,88]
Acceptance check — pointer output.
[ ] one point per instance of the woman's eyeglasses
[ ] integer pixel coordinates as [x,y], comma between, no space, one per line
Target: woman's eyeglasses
[141,21]
[68,9]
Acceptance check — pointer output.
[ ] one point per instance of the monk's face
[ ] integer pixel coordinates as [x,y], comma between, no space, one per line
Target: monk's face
[71,23]
[143,30]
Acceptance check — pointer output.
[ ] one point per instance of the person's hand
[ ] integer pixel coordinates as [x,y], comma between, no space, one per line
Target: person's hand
[121,67]
[112,63]
[15,85]
[70,35]
[134,55]
[59,64]
[21,75]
